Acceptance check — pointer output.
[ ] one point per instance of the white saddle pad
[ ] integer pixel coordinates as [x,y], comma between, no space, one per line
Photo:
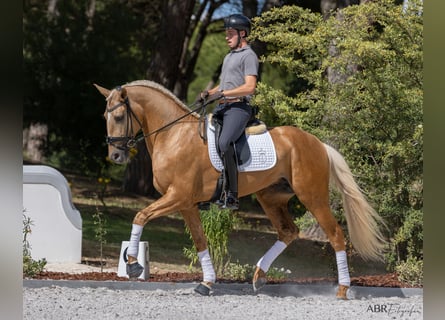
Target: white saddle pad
[262,151]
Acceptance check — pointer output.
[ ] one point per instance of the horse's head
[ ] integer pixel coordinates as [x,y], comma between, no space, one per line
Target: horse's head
[122,124]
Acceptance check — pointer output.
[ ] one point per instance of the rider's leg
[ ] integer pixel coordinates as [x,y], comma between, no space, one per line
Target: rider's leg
[234,124]
[231,171]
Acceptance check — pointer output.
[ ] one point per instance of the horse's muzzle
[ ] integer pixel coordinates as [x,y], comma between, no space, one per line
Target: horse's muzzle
[119,156]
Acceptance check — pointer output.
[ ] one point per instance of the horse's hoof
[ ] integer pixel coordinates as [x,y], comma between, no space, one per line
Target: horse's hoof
[259,279]
[204,288]
[341,292]
[134,270]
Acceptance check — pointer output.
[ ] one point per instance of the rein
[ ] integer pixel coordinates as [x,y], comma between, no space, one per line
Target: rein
[129,141]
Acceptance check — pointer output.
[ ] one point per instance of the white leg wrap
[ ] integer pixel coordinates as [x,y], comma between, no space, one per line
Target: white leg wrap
[133,247]
[342,267]
[207,266]
[265,262]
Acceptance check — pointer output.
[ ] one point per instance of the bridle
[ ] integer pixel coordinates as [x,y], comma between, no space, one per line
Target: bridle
[130,140]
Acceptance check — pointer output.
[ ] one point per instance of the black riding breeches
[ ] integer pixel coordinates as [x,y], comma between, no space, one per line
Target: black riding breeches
[235,117]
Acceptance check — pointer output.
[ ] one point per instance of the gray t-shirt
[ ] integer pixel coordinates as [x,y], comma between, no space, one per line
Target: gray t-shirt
[236,65]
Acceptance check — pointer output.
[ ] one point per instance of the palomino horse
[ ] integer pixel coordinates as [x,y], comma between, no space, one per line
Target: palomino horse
[185,177]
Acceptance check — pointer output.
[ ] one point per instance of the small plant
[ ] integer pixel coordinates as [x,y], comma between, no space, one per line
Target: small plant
[100,233]
[103,184]
[31,267]
[217,225]
[278,274]
[99,220]
[238,272]
[410,271]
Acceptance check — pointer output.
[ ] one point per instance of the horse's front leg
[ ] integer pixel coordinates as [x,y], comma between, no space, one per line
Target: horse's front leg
[193,221]
[169,203]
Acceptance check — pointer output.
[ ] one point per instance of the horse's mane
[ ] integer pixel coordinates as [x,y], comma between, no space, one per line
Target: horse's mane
[160,88]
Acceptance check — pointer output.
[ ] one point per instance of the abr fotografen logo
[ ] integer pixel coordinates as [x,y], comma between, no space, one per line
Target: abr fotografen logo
[396,310]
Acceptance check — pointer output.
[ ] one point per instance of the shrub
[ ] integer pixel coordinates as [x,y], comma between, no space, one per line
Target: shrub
[411,271]
[217,225]
[236,271]
[363,96]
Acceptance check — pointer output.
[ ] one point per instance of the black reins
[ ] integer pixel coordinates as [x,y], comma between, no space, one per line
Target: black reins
[129,141]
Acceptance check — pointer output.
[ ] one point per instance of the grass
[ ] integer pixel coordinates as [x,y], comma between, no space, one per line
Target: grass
[167,237]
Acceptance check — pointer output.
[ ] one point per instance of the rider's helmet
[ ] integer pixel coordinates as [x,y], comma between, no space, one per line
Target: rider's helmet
[237,22]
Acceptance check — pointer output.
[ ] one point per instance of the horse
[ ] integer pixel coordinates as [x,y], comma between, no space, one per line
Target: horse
[184,176]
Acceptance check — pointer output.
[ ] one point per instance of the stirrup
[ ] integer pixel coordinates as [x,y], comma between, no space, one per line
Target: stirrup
[134,270]
[220,202]
[231,201]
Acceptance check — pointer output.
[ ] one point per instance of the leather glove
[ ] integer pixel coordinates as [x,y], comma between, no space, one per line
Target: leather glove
[216,96]
[202,97]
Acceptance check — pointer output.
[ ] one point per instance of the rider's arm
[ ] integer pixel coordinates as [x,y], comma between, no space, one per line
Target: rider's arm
[246,89]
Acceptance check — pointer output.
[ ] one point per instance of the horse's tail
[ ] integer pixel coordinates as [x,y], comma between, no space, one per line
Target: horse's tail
[362,220]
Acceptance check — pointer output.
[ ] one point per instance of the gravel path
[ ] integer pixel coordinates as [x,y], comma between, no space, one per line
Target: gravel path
[60,302]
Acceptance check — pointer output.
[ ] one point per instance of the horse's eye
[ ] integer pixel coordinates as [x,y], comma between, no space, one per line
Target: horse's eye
[118,117]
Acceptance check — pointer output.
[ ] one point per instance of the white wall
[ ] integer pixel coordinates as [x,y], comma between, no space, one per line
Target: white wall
[56,232]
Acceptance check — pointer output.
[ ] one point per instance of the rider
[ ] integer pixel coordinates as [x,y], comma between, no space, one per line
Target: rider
[238,81]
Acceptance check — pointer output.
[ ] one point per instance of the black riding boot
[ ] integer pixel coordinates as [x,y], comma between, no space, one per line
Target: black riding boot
[231,175]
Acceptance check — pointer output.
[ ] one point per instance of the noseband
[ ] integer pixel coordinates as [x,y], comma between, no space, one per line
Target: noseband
[129,140]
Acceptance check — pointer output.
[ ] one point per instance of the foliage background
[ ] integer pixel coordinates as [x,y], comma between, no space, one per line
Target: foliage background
[371,111]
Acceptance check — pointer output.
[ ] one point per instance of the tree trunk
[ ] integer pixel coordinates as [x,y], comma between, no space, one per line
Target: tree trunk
[90,14]
[34,142]
[164,66]
[52,9]
[329,7]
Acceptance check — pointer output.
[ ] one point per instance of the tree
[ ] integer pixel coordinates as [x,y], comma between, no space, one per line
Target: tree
[373,116]
[67,46]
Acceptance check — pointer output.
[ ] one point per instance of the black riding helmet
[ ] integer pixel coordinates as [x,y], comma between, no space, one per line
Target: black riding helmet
[237,22]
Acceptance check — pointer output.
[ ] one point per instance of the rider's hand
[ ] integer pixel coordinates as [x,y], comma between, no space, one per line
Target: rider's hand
[216,96]
[204,95]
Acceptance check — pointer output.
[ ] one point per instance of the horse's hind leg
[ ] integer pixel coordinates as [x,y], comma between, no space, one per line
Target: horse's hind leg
[337,240]
[318,204]
[274,203]
[309,180]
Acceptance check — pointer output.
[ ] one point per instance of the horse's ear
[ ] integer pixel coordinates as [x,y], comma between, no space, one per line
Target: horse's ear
[124,93]
[105,92]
